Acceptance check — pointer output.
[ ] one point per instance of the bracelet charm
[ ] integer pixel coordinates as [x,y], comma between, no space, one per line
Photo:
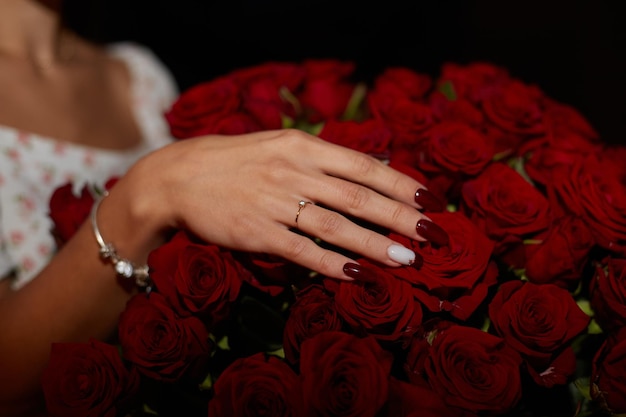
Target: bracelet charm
[123,267]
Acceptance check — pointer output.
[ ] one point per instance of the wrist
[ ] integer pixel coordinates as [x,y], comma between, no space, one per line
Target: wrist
[125,229]
[124,267]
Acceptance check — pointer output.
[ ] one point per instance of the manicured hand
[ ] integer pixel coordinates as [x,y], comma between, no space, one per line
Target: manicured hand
[244,192]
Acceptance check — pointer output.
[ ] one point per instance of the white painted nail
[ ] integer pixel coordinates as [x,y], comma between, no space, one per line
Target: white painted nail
[401,255]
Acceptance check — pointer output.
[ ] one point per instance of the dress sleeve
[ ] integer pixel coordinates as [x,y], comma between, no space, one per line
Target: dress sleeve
[148,70]
[154,88]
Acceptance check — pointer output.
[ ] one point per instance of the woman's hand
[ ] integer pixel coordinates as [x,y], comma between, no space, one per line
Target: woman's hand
[243,192]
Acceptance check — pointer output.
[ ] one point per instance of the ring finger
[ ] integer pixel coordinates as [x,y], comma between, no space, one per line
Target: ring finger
[361,202]
[336,229]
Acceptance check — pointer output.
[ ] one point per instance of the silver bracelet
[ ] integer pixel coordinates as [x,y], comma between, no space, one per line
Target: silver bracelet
[123,267]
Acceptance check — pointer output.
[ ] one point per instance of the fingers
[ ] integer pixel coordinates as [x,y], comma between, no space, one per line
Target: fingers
[304,251]
[333,228]
[370,172]
[361,202]
[358,201]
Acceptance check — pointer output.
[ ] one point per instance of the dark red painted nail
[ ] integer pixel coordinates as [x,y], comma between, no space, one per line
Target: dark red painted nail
[428,201]
[359,272]
[430,231]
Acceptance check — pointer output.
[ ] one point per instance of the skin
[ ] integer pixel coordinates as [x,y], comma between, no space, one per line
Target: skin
[223,191]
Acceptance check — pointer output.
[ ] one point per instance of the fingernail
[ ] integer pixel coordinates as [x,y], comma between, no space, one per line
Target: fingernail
[401,255]
[359,272]
[430,231]
[428,201]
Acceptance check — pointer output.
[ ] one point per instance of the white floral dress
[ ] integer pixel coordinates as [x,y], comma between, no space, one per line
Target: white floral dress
[33,166]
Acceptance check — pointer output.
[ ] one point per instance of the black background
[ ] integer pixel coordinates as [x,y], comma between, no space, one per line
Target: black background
[575,51]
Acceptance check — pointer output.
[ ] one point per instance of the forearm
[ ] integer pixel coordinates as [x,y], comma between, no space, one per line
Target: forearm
[75,297]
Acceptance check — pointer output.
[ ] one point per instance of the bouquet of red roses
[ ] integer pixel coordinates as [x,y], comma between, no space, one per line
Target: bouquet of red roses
[522,313]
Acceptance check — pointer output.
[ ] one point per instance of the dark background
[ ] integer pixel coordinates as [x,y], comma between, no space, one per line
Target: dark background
[575,51]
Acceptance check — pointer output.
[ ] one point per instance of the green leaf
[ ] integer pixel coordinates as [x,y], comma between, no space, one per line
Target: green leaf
[502,155]
[286,121]
[207,383]
[520,273]
[278,352]
[518,165]
[486,324]
[585,306]
[354,104]
[288,96]
[223,343]
[583,386]
[447,89]
[594,327]
[147,410]
[532,241]
[313,129]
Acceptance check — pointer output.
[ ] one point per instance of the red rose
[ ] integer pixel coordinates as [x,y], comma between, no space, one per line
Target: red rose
[258,385]
[232,124]
[474,81]
[162,345]
[272,273]
[384,307]
[456,277]
[474,370]
[371,136]
[328,69]
[459,110]
[550,158]
[68,211]
[197,110]
[196,278]
[505,206]
[343,374]
[409,170]
[596,191]
[563,118]
[280,74]
[87,380]
[539,322]
[514,112]
[401,82]
[450,153]
[408,400]
[608,374]
[327,89]
[408,120]
[608,293]
[562,253]
[313,312]
[261,88]
[614,154]
[454,148]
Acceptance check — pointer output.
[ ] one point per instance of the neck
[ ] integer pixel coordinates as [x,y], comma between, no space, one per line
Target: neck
[30,31]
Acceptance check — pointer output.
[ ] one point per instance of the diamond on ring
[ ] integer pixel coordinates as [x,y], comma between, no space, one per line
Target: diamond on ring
[301,205]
